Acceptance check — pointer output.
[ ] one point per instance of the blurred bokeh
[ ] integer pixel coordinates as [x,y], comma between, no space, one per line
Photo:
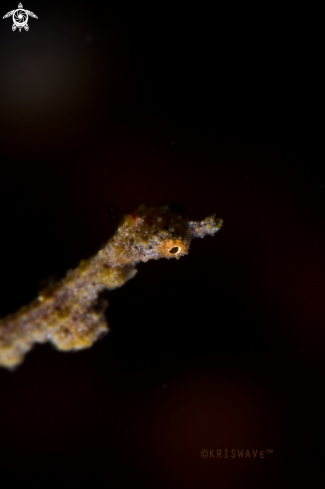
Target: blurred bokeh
[217,109]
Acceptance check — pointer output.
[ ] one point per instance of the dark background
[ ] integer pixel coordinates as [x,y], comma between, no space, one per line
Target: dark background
[217,108]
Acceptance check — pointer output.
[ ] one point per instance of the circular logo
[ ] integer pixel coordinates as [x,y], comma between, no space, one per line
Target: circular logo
[20,18]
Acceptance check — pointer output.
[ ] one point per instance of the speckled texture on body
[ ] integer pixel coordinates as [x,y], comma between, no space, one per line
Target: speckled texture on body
[70,314]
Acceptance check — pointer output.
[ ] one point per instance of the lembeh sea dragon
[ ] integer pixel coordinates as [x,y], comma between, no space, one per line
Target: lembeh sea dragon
[69,314]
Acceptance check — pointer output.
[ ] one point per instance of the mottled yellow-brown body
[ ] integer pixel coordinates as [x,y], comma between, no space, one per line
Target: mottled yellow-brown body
[69,314]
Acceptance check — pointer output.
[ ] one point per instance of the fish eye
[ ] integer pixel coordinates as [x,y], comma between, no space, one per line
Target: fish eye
[174,250]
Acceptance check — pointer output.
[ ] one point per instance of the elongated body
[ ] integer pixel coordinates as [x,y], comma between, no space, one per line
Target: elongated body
[69,314]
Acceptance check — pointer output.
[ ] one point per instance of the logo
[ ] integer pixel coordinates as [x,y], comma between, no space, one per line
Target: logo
[20,18]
